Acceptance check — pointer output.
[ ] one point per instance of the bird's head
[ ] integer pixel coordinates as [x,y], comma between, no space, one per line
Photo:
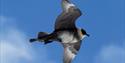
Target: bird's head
[84,32]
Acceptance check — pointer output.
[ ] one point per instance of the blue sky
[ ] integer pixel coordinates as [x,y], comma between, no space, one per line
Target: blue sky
[21,20]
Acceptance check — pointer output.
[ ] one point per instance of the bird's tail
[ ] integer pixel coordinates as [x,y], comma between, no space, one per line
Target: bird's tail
[42,34]
[42,37]
[32,40]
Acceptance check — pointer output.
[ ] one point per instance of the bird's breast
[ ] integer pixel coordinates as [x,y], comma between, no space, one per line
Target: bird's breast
[67,37]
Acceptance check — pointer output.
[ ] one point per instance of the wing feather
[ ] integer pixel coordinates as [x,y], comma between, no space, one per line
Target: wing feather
[67,20]
[70,51]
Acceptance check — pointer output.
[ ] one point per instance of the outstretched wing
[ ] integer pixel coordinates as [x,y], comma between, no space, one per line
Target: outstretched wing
[67,20]
[70,51]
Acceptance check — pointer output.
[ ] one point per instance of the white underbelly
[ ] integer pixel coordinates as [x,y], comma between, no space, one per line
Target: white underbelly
[68,38]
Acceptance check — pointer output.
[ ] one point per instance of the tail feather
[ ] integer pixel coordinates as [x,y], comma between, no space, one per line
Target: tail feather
[32,40]
[42,34]
[41,37]
[44,37]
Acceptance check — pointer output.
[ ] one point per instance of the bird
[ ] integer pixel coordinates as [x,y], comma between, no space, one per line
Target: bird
[65,31]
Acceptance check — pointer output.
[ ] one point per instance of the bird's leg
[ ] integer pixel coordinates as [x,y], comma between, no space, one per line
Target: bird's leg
[47,42]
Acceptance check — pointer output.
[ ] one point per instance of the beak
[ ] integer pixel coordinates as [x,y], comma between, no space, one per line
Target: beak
[87,35]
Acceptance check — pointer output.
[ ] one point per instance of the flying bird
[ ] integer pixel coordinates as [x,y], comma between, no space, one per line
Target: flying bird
[65,31]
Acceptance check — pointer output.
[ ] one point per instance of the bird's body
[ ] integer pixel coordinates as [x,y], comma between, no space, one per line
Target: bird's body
[70,36]
[65,31]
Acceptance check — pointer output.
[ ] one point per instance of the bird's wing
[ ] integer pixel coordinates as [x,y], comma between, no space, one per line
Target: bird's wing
[67,20]
[70,51]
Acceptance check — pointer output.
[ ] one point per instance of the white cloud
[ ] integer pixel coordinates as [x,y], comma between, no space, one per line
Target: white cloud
[111,54]
[15,47]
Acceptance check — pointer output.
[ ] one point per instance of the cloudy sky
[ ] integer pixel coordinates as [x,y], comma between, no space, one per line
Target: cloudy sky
[21,20]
